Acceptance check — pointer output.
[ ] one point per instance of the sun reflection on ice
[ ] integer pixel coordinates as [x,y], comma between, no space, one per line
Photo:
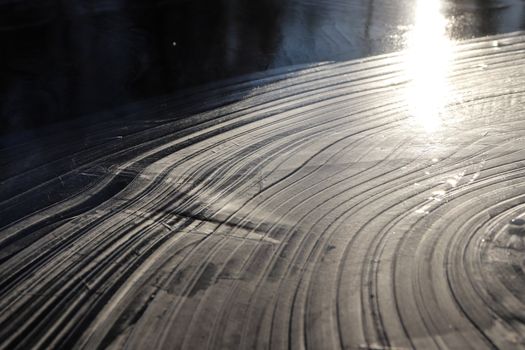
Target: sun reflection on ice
[428,60]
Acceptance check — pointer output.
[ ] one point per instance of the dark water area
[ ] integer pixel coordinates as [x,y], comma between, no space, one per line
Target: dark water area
[65,59]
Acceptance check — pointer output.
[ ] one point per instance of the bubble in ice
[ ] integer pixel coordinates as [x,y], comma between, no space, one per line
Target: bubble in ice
[517,226]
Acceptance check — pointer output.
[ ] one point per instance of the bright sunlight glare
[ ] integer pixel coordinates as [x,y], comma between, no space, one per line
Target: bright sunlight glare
[429,55]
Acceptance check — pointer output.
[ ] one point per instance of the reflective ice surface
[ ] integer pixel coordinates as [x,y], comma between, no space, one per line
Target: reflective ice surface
[336,199]
[65,59]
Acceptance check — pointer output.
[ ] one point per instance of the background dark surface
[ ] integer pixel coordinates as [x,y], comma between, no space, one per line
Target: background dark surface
[64,59]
